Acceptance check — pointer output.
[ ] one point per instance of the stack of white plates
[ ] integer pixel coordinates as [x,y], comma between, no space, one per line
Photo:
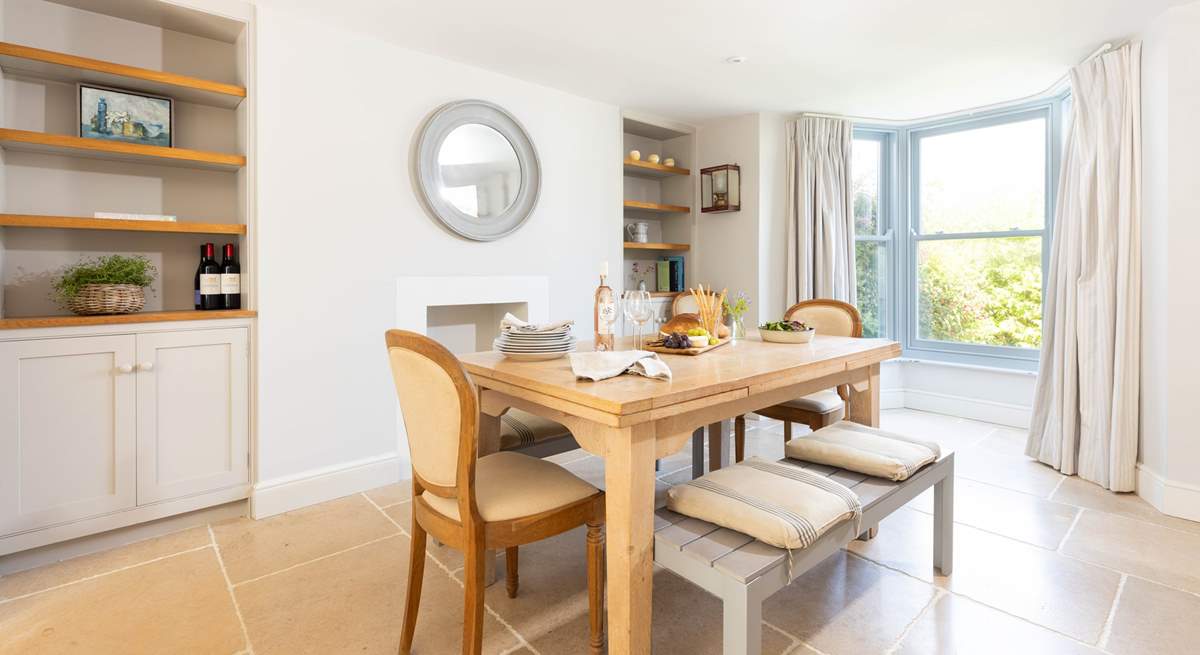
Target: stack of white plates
[535,346]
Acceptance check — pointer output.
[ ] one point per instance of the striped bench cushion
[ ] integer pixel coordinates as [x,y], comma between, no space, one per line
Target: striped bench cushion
[870,451]
[775,502]
[519,429]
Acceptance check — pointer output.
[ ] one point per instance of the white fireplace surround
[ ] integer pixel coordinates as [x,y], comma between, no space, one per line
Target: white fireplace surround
[415,295]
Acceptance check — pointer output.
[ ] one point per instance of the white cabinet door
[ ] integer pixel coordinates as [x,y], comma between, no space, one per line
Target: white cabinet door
[66,430]
[192,412]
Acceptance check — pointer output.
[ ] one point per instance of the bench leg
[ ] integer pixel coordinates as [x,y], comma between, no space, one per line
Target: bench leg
[697,453]
[743,621]
[943,525]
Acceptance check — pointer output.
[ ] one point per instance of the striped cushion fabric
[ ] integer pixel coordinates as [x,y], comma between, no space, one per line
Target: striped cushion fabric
[777,503]
[519,429]
[870,451]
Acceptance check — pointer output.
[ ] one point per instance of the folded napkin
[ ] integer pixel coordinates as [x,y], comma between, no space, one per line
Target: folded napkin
[598,366]
[511,323]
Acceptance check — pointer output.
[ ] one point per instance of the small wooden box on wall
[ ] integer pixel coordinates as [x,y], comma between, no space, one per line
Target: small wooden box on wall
[721,189]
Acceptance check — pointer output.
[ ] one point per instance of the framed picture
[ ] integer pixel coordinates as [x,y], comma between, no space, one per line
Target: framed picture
[128,116]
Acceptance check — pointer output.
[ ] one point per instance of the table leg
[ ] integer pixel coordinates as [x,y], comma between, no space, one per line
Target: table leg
[863,405]
[697,453]
[489,442]
[718,450]
[629,509]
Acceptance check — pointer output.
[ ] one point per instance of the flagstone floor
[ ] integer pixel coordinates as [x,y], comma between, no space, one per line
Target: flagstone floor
[1043,564]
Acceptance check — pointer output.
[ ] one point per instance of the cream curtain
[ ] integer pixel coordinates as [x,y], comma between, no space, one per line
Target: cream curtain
[1085,417]
[820,256]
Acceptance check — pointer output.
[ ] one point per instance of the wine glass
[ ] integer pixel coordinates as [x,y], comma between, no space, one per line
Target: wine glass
[639,310]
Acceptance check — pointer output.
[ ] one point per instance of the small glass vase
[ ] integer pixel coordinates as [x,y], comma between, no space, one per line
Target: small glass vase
[737,327]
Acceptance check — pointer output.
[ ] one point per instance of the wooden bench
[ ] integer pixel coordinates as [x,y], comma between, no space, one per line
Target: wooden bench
[743,572]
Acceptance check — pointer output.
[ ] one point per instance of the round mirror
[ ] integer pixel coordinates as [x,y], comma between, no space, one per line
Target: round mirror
[480,172]
[476,170]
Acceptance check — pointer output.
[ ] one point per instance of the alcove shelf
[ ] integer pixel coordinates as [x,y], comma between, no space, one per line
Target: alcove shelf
[118,225]
[681,247]
[122,319]
[60,144]
[50,65]
[646,169]
[657,208]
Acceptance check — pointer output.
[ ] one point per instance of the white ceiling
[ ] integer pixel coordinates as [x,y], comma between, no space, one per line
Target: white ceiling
[896,59]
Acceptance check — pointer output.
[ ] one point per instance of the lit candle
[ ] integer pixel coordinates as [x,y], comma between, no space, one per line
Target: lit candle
[604,269]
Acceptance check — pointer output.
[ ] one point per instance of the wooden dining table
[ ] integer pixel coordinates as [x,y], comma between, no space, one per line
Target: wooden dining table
[632,421]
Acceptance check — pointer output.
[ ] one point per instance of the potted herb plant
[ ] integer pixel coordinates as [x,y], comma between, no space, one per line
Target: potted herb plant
[113,284]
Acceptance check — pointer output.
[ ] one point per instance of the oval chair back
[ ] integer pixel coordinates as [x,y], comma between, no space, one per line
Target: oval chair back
[831,317]
[684,303]
[441,416]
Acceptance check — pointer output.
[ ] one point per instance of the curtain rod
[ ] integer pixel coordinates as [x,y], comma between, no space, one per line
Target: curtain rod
[1104,48]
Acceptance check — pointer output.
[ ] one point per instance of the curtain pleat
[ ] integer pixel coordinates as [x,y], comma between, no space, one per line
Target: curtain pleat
[820,253]
[1085,418]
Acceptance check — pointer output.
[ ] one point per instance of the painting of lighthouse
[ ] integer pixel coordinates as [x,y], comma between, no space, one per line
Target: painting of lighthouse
[116,115]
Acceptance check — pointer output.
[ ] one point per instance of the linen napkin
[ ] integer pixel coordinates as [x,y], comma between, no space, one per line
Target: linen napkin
[596,366]
[511,323]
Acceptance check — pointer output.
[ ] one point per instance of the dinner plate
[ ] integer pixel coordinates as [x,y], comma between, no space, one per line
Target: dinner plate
[557,349]
[530,357]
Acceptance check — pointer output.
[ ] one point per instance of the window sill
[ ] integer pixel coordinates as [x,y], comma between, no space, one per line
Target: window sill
[1023,372]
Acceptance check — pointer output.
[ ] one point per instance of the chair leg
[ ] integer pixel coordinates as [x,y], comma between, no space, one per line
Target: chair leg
[787,431]
[473,605]
[595,566]
[510,579]
[739,438]
[697,453]
[416,575]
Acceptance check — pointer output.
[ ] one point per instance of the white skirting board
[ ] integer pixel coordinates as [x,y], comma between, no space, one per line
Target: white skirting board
[1172,498]
[1014,416]
[281,495]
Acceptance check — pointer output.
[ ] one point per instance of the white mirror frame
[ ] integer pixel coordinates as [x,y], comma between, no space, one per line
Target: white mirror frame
[428,177]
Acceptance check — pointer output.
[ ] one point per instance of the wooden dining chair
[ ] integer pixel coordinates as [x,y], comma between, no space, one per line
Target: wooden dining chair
[832,317]
[475,504]
[685,303]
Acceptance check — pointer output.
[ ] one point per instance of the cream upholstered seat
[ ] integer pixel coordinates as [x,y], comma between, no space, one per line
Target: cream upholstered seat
[831,317]
[870,451]
[503,500]
[511,486]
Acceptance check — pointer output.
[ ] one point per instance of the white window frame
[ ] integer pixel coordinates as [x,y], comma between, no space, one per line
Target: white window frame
[885,235]
[899,216]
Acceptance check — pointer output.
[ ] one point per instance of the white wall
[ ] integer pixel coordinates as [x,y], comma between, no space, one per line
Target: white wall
[727,242]
[772,216]
[1170,451]
[339,222]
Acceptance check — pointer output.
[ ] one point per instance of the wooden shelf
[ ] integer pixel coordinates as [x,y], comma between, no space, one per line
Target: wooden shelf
[646,169]
[120,225]
[657,208]
[664,294]
[59,66]
[122,319]
[629,245]
[96,148]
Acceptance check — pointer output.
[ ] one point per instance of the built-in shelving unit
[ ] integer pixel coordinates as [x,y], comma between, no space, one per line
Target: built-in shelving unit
[641,168]
[657,208]
[660,197]
[122,319]
[54,179]
[629,245]
[61,144]
[50,65]
[118,224]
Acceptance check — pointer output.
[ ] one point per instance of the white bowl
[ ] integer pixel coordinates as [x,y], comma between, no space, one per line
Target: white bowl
[779,336]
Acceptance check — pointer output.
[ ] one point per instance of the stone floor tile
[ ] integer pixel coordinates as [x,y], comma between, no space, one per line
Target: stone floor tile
[180,604]
[353,602]
[1163,555]
[77,568]
[1076,491]
[1010,513]
[1151,618]
[252,548]
[391,494]
[959,625]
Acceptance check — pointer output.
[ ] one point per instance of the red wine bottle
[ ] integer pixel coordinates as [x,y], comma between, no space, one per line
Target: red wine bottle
[208,280]
[231,279]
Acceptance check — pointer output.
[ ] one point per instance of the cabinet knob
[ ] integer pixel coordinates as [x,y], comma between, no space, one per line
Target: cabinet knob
[125,368]
[146,366]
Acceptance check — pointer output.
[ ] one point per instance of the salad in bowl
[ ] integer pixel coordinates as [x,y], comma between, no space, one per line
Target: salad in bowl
[786,332]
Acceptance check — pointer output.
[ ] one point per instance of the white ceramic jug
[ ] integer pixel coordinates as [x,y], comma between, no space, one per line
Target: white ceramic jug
[638,232]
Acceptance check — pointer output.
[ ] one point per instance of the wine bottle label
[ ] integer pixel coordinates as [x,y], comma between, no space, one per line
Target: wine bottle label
[210,284]
[231,283]
[608,316]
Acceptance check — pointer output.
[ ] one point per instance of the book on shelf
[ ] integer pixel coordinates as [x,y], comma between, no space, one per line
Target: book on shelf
[135,217]
[675,279]
[664,275]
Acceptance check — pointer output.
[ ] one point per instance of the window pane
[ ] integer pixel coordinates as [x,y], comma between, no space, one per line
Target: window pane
[870,260]
[865,164]
[985,179]
[983,291]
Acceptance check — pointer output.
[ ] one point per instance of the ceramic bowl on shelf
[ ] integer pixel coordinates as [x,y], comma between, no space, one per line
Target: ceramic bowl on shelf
[635,155]
[779,336]
[653,159]
[669,161]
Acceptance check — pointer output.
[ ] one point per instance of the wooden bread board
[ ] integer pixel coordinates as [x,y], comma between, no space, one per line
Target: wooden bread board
[685,351]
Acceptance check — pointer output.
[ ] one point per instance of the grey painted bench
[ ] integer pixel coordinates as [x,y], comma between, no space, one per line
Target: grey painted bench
[744,572]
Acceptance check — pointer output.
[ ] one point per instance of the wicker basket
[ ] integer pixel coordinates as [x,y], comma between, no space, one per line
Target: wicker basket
[108,299]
